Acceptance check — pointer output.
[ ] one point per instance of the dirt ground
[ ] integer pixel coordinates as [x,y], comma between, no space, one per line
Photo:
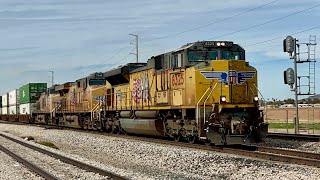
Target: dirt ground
[280,115]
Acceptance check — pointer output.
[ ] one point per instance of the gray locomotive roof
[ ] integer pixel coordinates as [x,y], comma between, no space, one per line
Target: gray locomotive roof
[125,69]
[116,75]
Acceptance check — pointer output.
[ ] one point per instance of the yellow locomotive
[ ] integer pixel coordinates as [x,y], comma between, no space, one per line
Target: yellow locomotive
[201,91]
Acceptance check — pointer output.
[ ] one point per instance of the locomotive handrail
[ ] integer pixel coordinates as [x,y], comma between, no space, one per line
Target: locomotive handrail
[197,112]
[265,102]
[94,109]
[53,111]
[204,103]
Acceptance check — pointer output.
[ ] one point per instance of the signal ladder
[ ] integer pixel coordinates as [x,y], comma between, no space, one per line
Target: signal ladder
[307,82]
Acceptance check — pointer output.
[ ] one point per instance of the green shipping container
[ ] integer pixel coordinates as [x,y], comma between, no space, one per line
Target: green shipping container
[31,92]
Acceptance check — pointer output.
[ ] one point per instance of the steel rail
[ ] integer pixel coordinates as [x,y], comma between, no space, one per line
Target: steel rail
[68,160]
[303,137]
[265,153]
[259,152]
[29,165]
[289,152]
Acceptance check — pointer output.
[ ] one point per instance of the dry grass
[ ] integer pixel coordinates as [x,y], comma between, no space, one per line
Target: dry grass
[48,144]
[280,115]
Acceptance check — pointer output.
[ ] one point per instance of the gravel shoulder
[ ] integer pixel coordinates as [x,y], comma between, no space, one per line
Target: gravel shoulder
[145,160]
[53,166]
[13,170]
[291,144]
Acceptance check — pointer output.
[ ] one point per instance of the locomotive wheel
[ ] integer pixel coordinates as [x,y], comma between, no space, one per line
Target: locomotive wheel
[207,142]
[177,138]
[108,128]
[192,139]
[85,125]
[115,129]
[98,126]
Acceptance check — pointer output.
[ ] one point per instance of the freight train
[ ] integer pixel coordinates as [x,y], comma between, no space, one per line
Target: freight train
[202,91]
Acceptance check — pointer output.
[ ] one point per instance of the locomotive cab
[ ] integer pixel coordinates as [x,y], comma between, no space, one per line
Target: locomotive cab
[211,91]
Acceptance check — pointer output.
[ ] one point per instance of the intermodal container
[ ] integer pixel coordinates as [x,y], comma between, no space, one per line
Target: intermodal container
[4,110]
[31,92]
[14,97]
[28,108]
[13,109]
[5,100]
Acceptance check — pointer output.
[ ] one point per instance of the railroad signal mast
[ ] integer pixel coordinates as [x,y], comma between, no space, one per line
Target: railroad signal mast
[302,85]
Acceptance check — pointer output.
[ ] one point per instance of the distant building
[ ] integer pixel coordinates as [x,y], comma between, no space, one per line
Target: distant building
[305,105]
[287,106]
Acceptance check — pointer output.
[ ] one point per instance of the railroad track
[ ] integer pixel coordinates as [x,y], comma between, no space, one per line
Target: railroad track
[300,137]
[64,159]
[38,170]
[258,152]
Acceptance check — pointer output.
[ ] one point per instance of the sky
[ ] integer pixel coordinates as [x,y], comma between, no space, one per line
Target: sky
[75,38]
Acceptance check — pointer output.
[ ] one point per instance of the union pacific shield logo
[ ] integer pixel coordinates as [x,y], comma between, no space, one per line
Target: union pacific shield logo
[229,77]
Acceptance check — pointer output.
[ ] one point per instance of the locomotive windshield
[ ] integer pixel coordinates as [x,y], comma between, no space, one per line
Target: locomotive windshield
[232,55]
[202,55]
[97,82]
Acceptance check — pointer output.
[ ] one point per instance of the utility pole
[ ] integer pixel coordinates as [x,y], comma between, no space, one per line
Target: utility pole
[292,46]
[291,76]
[52,77]
[296,127]
[137,50]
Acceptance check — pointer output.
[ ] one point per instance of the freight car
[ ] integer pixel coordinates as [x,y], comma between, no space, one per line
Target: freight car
[202,91]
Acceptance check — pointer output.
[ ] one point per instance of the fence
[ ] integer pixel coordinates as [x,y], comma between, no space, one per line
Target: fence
[282,120]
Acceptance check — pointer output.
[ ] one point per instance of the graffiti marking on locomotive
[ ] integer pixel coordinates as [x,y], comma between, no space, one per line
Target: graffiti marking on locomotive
[230,77]
[119,96]
[177,79]
[141,89]
[73,97]
[99,98]
[136,93]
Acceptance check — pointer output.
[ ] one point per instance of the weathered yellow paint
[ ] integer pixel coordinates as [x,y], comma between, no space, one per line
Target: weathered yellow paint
[182,87]
[122,96]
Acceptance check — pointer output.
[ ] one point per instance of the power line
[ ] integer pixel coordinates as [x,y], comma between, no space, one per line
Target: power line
[267,22]
[261,42]
[116,53]
[215,22]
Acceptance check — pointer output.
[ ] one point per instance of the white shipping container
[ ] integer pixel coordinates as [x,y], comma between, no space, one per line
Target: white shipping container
[28,108]
[5,110]
[5,100]
[14,97]
[13,109]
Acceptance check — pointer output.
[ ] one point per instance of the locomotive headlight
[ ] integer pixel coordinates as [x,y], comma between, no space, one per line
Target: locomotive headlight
[223,98]
[222,44]
[256,98]
[218,44]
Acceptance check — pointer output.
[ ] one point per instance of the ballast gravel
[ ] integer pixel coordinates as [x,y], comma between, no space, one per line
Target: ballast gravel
[11,169]
[146,160]
[291,144]
[53,166]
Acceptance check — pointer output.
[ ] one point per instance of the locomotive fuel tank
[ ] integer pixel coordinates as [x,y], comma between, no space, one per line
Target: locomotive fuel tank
[152,127]
[144,123]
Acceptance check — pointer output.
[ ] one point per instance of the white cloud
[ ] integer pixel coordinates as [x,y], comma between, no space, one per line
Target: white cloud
[71,35]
